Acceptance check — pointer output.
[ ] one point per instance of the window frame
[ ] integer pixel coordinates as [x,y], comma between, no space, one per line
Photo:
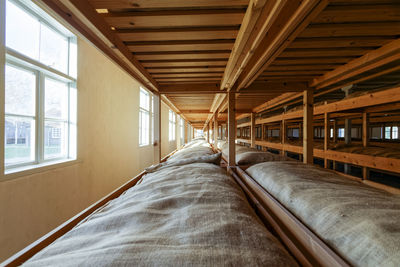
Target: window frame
[171,126]
[150,116]
[41,71]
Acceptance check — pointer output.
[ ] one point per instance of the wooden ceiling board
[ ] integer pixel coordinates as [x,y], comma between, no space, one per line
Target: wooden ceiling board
[183,47]
[123,4]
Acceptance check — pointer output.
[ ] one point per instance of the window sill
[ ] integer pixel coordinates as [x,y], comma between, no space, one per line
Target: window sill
[37,168]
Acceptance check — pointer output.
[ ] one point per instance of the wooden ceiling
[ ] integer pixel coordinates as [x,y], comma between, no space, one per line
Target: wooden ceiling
[267,51]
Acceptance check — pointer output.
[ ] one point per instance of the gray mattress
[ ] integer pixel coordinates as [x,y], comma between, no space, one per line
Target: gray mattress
[191,215]
[360,222]
[251,156]
[192,150]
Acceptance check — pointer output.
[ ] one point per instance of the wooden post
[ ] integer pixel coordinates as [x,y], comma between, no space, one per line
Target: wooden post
[326,137]
[157,129]
[231,129]
[308,135]
[253,130]
[215,128]
[365,141]
[208,133]
[347,140]
[334,131]
[283,135]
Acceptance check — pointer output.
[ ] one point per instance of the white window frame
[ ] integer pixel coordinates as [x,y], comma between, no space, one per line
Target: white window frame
[149,113]
[172,126]
[41,71]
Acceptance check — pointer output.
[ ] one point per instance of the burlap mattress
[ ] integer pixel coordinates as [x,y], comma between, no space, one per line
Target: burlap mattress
[191,215]
[361,223]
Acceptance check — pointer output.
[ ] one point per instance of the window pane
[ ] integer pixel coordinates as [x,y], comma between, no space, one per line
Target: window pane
[56,99]
[53,49]
[55,139]
[144,99]
[20,91]
[22,31]
[387,132]
[19,140]
[395,132]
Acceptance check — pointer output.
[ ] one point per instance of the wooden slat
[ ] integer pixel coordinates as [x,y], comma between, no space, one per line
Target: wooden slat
[185,70]
[188,75]
[352,29]
[174,18]
[178,33]
[335,42]
[190,88]
[113,4]
[192,55]
[185,64]
[180,47]
[310,61]
[359,13]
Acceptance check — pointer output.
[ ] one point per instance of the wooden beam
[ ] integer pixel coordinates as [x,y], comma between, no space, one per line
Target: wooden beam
[365,170]
[326,136]
[371,60]
[215,129]
[253,129]
[259,17]
[231,130]
[308,132]
[273,44]
[157,128]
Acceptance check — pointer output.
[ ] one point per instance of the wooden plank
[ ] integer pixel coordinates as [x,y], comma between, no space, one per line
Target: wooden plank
[359,13]
[352,30]
[178,33]
[180,47]
[325,52]
[185,70]
[188,75]
[231,130]
[186,56]
[215,128]
[336,42]
[193,79]
[371,60]
[308,131]
[175,18]
[365,129]
[190,88]
[184,64]
[282,61]
[140,4]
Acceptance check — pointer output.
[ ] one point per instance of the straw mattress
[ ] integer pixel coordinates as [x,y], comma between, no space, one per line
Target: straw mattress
[251,156]
[191,215]
[361,223]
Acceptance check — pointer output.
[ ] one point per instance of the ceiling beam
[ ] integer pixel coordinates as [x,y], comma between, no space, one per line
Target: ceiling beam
[205,88]
[257,20]
[87,14]
[294,18]
[372,60]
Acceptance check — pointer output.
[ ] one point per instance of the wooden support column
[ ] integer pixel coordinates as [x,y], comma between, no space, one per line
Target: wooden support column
[308,135]
[157,129]
[334,140]
[365,141]
[215,128]
[231,129]
[283,136]
[326,137]
[347,140]
[208,133]
[253,130]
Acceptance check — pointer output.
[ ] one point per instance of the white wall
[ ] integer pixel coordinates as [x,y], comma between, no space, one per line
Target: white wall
[108,150]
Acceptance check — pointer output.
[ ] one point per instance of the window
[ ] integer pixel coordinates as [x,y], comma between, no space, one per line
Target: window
[182,132]
[144,117]
[341,133]
[172,125]
[331,135]
[40,87]
[395,132]
[376,133]
[387,132]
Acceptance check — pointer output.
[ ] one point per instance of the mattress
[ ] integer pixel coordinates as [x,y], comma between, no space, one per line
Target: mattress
[194,149]
[191,215]
[360,222]
[251,156]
